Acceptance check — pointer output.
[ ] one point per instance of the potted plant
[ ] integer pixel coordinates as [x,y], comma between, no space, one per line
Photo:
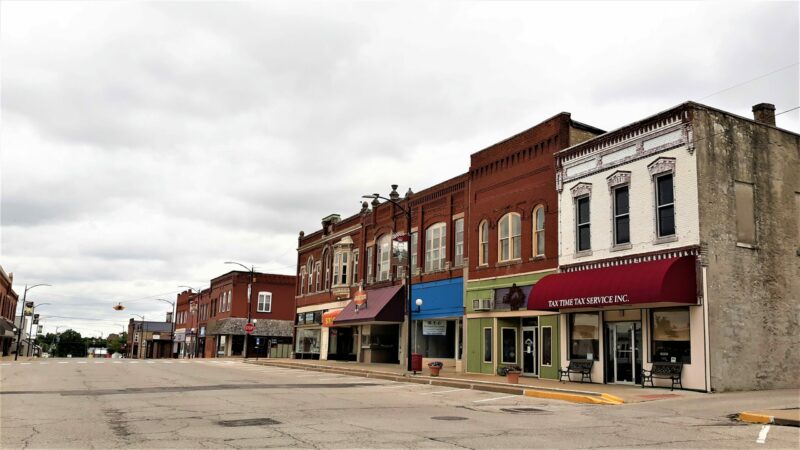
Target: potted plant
[513,372]
[435,367]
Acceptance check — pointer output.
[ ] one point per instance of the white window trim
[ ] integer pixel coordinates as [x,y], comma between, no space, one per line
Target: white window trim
[614,216]
[458,244]
[578,224]
[655,178]
[384,256]
[258,306]
[356,262]
[537,252]
[511,237]
[502,346]
[483,254]
[437,264]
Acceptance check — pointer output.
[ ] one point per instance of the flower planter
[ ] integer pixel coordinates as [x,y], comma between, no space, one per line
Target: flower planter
[513,377]
[435,370]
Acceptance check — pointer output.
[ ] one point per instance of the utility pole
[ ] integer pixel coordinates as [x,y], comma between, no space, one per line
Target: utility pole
[22,317]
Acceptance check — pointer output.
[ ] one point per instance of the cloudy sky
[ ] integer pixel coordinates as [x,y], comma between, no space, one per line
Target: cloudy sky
[145,143]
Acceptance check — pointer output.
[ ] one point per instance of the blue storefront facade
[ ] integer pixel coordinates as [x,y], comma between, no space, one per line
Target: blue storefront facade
[438,322]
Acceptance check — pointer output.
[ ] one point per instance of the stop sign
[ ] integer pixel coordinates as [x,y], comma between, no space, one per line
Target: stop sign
[249,328]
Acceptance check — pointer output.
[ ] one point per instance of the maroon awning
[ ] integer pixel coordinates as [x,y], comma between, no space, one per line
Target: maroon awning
[663,281]
[382,305]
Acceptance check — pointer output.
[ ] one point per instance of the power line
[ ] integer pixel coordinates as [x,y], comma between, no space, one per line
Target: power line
[751,80]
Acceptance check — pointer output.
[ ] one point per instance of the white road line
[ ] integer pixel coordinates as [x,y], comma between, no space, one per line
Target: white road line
[167,362]
[494,398]
[762,436]
[150,362]
[389,386]
[443,392]
[117,362]
[63,362]
[81,362]
[43,363]
[99,362]
[5,364]
[133,362]
[184,362]
[26,364]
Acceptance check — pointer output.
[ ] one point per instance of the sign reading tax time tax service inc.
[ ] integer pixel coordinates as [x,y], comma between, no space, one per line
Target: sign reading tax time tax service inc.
[578,302]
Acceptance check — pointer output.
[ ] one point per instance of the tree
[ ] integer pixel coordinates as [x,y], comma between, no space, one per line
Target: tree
[70,342]
[116,342]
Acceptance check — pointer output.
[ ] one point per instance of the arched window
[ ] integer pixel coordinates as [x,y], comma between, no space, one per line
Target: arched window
[310,271]
[435,247]
[483,249]
[318,275]
[302,280]
[326,268]
[538,230]
[384,257]
[509,237]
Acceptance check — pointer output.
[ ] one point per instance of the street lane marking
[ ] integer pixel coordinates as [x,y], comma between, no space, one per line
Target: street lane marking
[762,435]
[5,364]
[443,392]
[150,362]
[43,363]
[117,362]
[494,398]
[99,362]
[63,362]
[133,362]
[26,364]
[81,362]
[167,362]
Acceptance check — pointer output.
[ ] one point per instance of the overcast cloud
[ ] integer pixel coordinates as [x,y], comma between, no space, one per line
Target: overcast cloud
[143,144]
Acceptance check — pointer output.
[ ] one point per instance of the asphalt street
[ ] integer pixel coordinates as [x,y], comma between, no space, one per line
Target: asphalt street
[85,403]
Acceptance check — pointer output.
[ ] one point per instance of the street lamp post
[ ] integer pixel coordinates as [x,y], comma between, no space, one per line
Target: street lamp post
[196,311]
[251,269]
[393,196]
[22,316]
[141,340]
[172,340]
[30,332]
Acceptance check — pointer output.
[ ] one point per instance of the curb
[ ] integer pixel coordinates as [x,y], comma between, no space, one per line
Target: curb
[584,397]
[751,417]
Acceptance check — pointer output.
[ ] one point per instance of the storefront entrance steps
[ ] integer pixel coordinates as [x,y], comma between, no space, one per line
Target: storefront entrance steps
[602,394]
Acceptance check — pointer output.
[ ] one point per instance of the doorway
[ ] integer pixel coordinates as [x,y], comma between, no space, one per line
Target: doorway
[623,352]
[529,352]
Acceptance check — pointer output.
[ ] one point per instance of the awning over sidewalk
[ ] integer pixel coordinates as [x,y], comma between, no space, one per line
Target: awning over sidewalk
[382,305]
[330,316]
[663,281]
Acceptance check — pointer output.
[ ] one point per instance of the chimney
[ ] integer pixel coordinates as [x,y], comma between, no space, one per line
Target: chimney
[764,113]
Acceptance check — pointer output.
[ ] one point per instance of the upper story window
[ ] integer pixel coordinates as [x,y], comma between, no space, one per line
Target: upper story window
[230,302]
[340,265]
[337,263]
[665,205]
[538,231]
[318,275]
[414,258]
[458,254]
[483,244]
[435,247]
[264,302]
[302,280]
[384,254]
[310,271]
[583,223]
[370,263]
[355,275]
[622,232]
[510,237]
[326,268]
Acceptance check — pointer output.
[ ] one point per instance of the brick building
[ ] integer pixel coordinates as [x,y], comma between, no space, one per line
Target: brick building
[8,308]
[679,238]
[513,242]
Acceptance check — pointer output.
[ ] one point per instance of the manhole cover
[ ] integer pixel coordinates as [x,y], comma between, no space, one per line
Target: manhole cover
[522,410]
[448,418]
[248,422]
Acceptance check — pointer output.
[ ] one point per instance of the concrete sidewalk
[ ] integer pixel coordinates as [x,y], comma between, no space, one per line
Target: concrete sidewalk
[592,393]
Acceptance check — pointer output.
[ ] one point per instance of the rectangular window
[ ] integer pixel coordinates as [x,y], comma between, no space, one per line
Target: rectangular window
[317,274]
[384,254]
[622,233]
[671,341]
[355,267]
[414,244]
[583,223]
[584,336]
[370,253]
[458,258]
[230,302]
[503,240]
[435,248]
[665,206]
[509,351]
[484,252]
[343,271]
[487,345]
[264,302]
[337,261]
[745,214]
[547,346]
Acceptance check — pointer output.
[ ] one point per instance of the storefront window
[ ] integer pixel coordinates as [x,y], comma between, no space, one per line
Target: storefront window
[487,345]
[435,338]
[307,341]
[671,341]
[547,346]
[509,345]
[584,341]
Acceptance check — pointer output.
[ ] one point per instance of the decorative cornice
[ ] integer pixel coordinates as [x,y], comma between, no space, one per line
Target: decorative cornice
[618,178]
[581,189]
[661,165]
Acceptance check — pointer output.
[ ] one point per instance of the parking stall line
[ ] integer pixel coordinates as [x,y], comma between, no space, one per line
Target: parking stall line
[443,392]
[494,398]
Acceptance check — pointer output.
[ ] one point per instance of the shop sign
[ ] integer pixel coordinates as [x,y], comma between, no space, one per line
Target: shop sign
[360,299]
[434,327]
[579,302]
[329,317]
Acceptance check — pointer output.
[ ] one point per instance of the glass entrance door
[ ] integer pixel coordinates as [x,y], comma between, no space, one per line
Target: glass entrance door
[529,352]
[624,352]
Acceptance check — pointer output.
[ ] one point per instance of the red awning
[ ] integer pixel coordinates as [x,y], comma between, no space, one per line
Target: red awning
[663,281]
[382,305]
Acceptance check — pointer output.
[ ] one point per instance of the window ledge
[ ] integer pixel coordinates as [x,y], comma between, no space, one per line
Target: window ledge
[749,246]
[620,247]
[666,239]
[538,258]
[508,263]
[583,254]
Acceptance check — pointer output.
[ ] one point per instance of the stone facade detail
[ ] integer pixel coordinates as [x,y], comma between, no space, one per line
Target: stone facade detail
[619,178]
[581,189]
[661,165]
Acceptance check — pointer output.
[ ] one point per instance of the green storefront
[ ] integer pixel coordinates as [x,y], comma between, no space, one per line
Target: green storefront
[501,332]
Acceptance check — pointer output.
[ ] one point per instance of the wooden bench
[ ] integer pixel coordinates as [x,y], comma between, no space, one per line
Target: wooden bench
[581,366]
[671,371]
